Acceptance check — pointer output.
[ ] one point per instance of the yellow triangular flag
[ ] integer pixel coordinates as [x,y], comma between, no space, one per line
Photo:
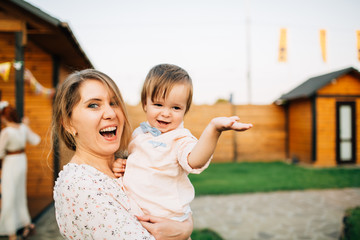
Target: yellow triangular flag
[283,46]
[5,70]
[323,43]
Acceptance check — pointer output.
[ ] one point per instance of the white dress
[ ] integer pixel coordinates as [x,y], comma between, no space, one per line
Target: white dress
[91,205]
[14,213]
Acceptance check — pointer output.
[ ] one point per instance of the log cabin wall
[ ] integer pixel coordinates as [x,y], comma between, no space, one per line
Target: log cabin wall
[299,132]
[343,89]
[325,132]
[50,51]
[38,109]
[7,53]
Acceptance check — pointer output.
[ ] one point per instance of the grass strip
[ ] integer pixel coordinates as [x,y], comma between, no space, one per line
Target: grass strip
[248,177]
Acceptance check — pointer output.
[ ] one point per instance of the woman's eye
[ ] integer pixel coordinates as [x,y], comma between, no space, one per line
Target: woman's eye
[114,103]
[93,105]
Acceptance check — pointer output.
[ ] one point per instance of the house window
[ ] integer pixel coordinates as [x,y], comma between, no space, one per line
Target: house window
[345,132]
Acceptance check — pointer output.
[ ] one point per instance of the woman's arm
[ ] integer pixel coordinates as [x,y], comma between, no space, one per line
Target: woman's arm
[166,229]
[3,141]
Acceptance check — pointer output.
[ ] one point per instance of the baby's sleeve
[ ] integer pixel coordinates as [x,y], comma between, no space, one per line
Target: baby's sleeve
[184,147]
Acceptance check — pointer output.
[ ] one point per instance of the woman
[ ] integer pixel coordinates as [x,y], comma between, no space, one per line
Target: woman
[14,212]
[89,116]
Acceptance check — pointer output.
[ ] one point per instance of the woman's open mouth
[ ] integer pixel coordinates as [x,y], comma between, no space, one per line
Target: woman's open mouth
[108,132]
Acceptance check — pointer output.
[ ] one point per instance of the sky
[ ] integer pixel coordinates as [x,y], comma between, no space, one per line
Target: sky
[229,47]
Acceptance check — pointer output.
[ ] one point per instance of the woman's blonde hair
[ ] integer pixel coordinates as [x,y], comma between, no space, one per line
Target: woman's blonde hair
[68,96]
[161,79]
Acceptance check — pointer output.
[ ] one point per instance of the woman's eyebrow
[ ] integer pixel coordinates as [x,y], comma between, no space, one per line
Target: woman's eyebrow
[92,100]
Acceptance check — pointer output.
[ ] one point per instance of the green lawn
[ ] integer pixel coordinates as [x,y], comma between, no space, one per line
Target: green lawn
[246,177]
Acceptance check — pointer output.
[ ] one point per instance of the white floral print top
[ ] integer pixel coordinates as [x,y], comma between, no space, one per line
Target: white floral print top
[91,205]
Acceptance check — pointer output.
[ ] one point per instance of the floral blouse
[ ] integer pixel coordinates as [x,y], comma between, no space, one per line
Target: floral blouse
[91,205]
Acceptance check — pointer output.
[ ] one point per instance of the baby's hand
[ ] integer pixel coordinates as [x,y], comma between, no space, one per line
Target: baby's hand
[118,167]
[230,123]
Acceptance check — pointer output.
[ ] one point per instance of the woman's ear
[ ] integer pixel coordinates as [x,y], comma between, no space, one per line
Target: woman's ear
[69,128]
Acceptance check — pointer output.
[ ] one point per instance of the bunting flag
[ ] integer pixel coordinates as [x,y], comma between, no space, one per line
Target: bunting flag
[358,43]
[5,70]
[36,86]
[28,78]
[323,44]
[282,46]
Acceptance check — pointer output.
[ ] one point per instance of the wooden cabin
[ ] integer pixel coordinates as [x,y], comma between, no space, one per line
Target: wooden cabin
[44,47]
[322,115]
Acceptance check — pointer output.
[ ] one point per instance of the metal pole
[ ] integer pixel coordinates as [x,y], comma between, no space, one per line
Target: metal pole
[233,113]
[248,50]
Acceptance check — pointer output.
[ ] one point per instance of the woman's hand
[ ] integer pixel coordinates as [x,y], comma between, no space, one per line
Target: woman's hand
[118,167]
[167,229]
[25,120]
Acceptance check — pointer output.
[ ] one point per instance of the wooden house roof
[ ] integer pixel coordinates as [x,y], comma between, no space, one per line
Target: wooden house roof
[48,32]
[312,85]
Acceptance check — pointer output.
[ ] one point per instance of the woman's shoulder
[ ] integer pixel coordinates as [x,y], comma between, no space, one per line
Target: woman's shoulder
[81,176]
[74,175]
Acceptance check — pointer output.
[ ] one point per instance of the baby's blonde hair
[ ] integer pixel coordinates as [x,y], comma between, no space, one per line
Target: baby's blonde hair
[161,79]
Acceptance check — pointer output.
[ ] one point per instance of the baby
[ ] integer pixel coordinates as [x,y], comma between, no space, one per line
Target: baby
[162,152]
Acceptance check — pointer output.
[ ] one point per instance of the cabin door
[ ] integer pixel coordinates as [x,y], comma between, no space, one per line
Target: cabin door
[345,132]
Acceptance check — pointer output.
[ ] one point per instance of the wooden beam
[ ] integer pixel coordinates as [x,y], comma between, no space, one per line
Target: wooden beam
[13,25]
[40,31]
[10,25]
[24,33]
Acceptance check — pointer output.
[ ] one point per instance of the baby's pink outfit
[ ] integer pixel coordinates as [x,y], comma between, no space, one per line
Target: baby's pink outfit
[156,177]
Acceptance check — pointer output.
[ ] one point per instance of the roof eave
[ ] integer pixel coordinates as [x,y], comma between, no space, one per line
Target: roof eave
[60,41]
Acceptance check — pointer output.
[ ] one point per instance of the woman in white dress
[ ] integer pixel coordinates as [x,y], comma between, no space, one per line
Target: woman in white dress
[14,213]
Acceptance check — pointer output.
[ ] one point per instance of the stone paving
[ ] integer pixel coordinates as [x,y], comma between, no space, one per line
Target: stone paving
[293,215]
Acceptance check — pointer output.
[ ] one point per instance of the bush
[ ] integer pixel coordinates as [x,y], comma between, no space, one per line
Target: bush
[351,229]
[205,234]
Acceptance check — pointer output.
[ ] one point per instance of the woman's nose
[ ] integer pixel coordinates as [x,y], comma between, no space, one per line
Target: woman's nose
[109,112]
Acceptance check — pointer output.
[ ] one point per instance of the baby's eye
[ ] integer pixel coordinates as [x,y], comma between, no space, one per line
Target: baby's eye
[93,105]
[158,104]
[177,108]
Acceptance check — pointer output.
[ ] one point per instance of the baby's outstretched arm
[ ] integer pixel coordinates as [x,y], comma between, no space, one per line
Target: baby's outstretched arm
[208,139]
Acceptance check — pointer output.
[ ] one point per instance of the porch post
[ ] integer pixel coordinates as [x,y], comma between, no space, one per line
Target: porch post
[19,74]
[56,151]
